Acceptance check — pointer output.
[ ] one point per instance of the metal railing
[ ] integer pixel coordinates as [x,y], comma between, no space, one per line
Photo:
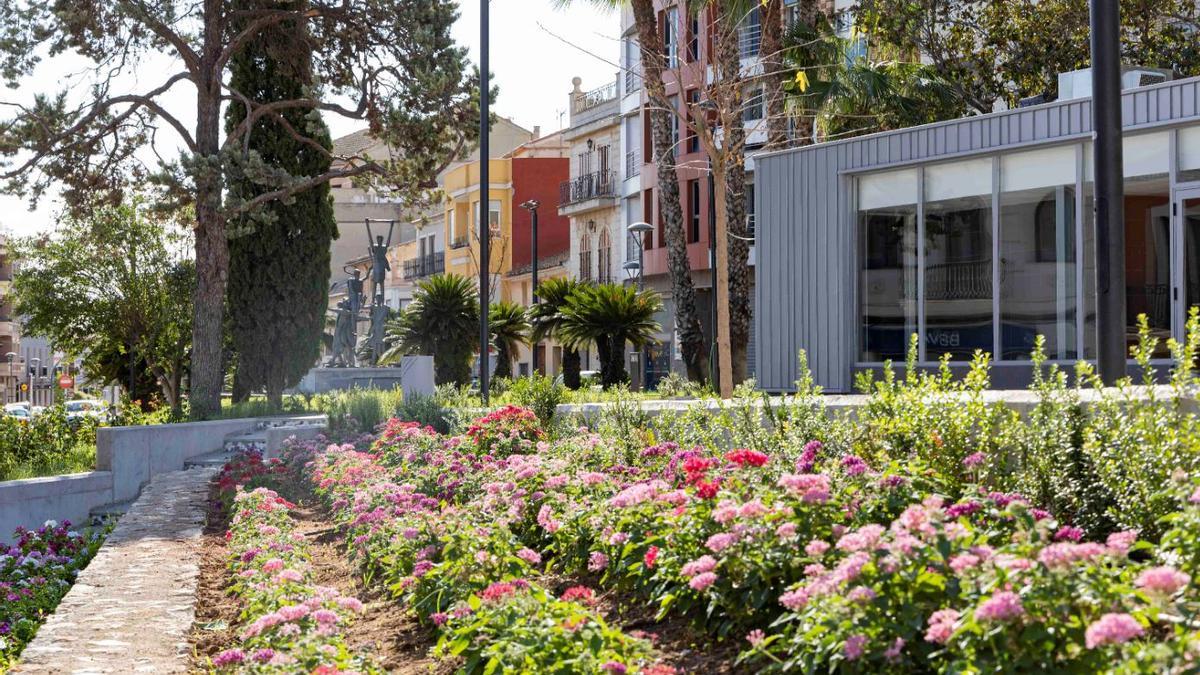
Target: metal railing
[633,164]
[633,81]
[596,97]
[749,40]
[590,186]
[425,266]
[959,281]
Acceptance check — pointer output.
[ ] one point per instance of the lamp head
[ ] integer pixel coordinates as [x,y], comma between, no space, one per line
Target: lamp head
[639,228]
[531,205]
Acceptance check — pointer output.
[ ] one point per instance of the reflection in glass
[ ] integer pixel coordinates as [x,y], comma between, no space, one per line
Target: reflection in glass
[887,263]
[1189,215]
[958,259]
[1147,258]
[1037,253]
[1189,154]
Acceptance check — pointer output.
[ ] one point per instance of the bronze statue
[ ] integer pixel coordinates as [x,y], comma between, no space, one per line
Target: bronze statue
[354,287]
[344,337]
[379,261]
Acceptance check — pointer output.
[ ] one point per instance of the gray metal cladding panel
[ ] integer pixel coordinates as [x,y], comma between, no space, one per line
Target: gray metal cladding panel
[805,292]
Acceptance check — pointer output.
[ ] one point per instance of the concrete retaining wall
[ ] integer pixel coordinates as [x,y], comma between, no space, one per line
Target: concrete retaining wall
[33,501]
[135,454]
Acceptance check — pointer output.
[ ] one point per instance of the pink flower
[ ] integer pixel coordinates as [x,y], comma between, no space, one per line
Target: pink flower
[755,637]
[290,575]
[816,548]
[1119,542]
[1162,580]
[893,652]
[229,657]
[973,460]
[273,565]
[795,599]
[1068,533]
[702,581]
[597,561]
[651,557]
[863,539]
[861,595]
[1113,629]
[854,647]
[701,565]
[614,667]
[324,616]
[963,562]
[1195,498]
[747,457]
[351,604]
[812,488]
[786,531]
[721,541]
[1002,606]
[941,626]
[530,556]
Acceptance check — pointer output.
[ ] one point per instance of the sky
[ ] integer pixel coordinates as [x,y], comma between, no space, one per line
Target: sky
[535,51]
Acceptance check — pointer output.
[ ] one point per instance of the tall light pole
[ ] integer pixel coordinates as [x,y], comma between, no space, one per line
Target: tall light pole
[8,389]
[639,231]
[532,206]
[37,362]
[1109,189]
[484,201]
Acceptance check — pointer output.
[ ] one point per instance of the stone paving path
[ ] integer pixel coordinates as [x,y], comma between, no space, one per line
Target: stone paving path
[132,607]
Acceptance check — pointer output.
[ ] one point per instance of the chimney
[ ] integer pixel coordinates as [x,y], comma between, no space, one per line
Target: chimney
[537,131]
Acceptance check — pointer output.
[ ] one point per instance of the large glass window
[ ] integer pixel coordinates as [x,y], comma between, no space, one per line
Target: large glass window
[1147,237]
[958,259]
[1037,253]
[887,242]
[1189,154]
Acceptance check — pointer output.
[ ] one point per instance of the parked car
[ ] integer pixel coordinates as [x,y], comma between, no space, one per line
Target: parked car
[19,410]
[81,408]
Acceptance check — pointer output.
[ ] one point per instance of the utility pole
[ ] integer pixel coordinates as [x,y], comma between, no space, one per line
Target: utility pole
[485,210]
[1109,189]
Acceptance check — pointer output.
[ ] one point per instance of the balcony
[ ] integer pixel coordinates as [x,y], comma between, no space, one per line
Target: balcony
[589,106]
[633,81]
[587,192]
[633,164]
[594,98]
[424,266]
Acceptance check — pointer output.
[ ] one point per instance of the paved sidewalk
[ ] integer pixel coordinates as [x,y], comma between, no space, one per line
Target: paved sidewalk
[132,607]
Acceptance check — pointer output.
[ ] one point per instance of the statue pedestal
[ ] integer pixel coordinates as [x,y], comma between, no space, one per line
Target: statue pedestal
[414,375]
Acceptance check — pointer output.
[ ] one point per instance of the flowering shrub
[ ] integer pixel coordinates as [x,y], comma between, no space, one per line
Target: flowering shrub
[508,430]
[247,468]
[291,624]
[35,573]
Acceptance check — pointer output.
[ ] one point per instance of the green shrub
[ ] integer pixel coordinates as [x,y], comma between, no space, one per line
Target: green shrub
[425,410]
[362,409]
[539,393]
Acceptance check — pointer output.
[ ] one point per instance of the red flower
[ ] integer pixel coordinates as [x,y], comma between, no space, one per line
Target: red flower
[707,489]
[581,594]
[747,457]
[651,557]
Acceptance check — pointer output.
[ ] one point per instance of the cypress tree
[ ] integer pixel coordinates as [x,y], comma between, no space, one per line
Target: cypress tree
[279,256]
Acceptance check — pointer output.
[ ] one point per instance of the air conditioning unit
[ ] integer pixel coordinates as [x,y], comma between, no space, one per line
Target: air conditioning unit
[1078,83]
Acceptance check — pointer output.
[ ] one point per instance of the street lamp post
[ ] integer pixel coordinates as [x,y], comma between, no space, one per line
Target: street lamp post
[484,199]
[639,231]
[1109,199]
[532,206]
[8,388]
[33,375]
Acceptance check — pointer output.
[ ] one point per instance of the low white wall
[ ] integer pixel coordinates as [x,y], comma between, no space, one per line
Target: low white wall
[33,501]
[135,454]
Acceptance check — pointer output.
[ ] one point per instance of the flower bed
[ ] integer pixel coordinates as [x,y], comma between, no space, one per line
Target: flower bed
[809,559]
[35,573]
[291,624]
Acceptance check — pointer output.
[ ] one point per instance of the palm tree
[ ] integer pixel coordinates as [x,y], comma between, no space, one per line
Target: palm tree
[509,325]
[441,320]
[850,94]
[546,317]
[610,315]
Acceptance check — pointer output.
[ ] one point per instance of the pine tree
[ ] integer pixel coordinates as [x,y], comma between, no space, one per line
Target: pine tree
[279,258]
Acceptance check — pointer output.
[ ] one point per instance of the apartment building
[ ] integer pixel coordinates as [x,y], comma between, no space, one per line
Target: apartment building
[12,367]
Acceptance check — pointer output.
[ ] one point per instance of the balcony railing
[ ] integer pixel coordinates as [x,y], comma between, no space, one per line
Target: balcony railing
[425,266]
[749,40]
[596,97]
[633,81]
[633,164]
[590,186]
[959,281]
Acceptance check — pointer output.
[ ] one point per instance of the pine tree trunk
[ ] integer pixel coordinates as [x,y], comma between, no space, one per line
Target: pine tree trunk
[212,248]
[772,79]
[683,291]
[738,268]
[570,368]
[275,387]
[241,385]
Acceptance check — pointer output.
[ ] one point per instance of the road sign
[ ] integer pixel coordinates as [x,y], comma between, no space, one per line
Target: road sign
[66,382]
[24,386]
